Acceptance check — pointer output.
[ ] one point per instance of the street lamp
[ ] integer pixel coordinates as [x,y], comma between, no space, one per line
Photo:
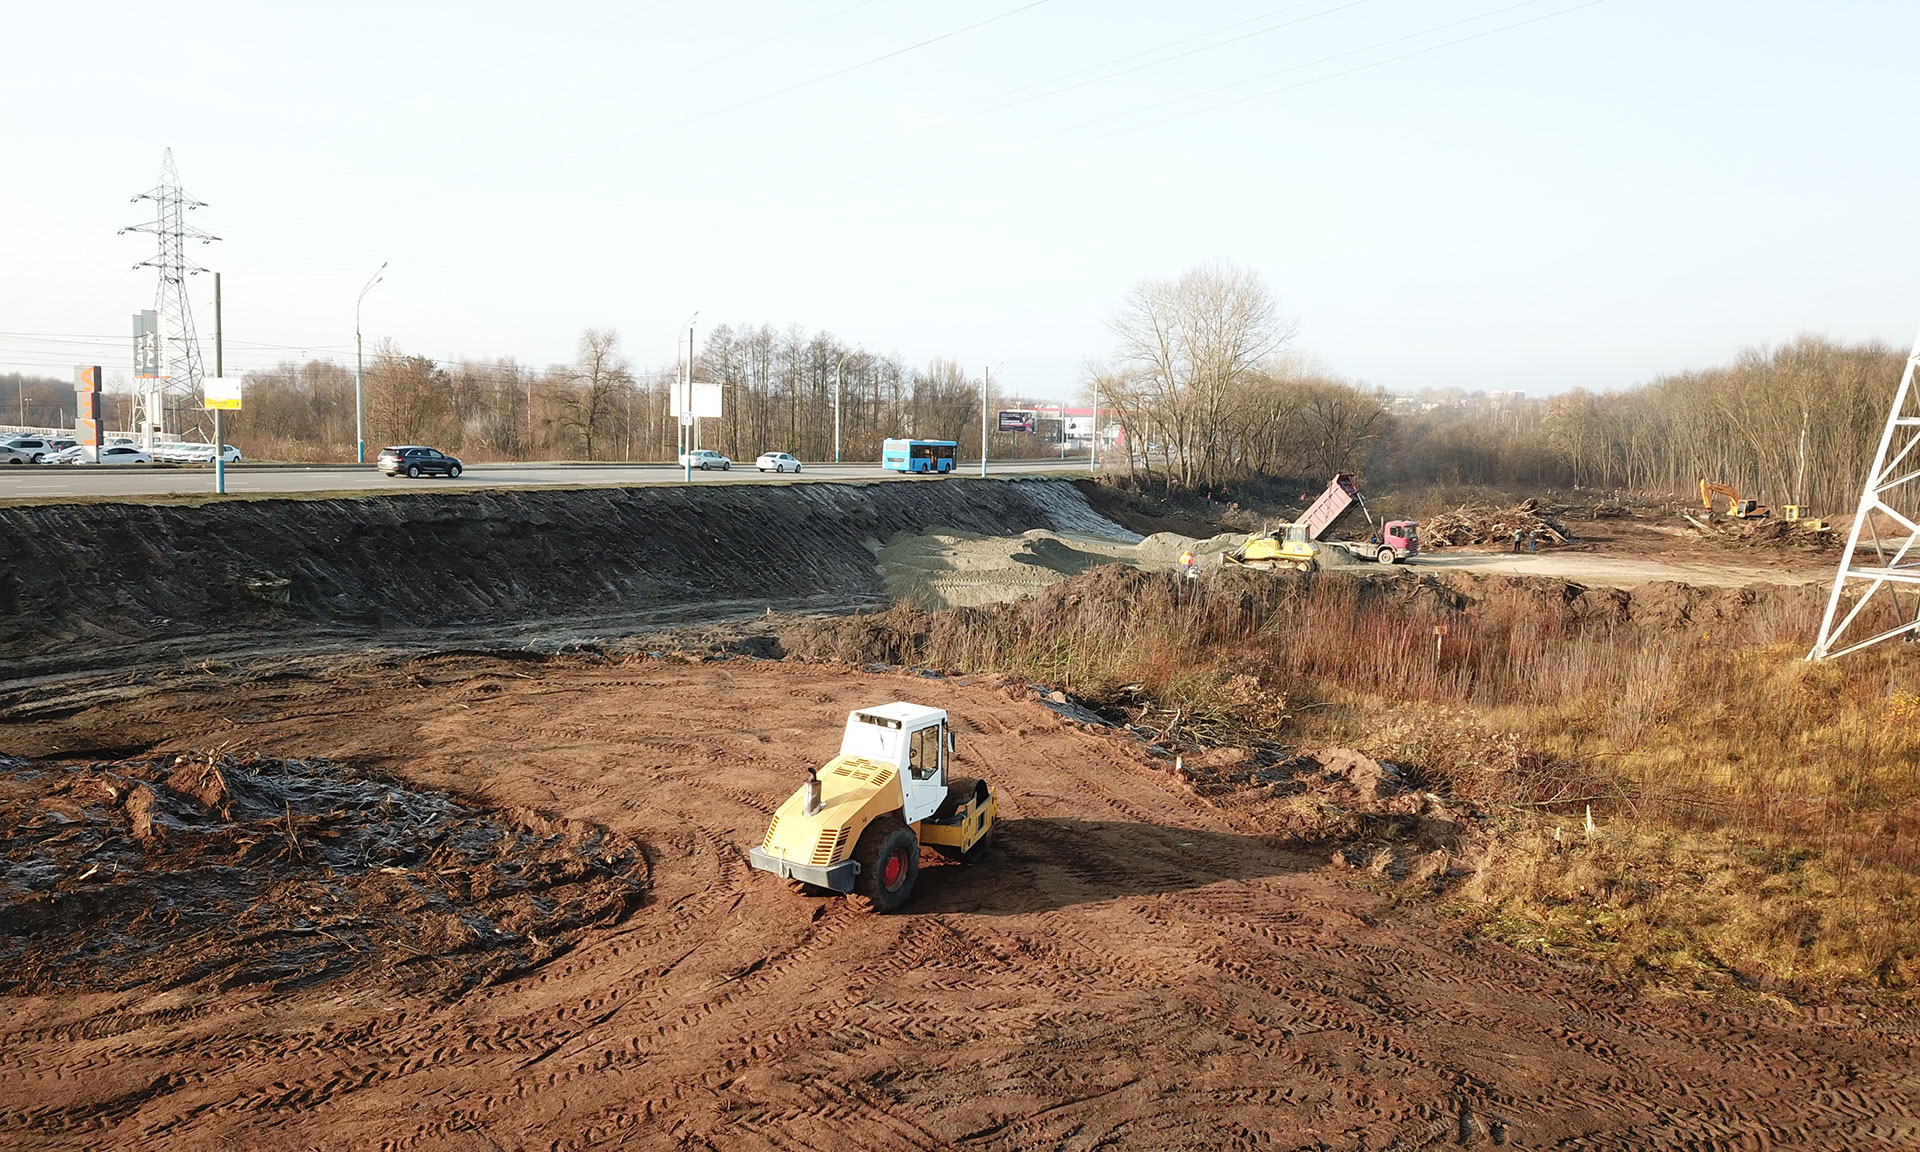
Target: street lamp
[836,409]
[359,407]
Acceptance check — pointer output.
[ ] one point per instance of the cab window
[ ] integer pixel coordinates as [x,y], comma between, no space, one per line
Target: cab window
[923,753]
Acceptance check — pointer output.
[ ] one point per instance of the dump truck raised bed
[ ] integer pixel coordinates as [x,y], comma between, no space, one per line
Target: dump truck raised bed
[1303,544]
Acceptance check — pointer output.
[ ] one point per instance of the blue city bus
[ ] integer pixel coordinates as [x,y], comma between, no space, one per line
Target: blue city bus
[918,455]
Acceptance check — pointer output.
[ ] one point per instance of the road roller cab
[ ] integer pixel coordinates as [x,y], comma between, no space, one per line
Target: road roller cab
[857,825]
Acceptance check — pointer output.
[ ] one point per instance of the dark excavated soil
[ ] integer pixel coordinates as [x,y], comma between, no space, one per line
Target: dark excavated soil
[216,872]
[91,585]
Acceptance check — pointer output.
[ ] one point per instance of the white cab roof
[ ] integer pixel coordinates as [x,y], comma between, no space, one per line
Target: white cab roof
[909,715]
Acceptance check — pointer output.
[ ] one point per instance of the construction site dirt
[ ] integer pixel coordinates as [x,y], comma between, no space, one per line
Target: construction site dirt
[1132,966]
[430,862]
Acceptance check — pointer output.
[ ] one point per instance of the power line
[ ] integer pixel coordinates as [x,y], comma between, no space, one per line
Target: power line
[947,172]
[463,183]
[598,100]
[747,172]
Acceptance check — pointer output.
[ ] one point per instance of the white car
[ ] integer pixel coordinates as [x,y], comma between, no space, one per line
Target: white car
[73,455]
[32,447]
[777,462]
[203,454]
[705,458]
[124,454]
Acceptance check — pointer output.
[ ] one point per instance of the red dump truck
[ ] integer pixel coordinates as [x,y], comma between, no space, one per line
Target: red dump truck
[1395,541]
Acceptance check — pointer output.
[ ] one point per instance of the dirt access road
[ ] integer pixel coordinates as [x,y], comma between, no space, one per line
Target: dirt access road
[1132,967]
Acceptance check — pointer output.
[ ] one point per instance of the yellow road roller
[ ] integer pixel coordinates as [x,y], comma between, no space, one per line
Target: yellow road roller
[857,825]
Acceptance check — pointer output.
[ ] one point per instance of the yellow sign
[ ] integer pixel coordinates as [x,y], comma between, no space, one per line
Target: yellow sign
[222,392]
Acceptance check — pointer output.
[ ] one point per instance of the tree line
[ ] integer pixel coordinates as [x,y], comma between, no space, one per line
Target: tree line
[1200,380]
[778,389]
[1200,387]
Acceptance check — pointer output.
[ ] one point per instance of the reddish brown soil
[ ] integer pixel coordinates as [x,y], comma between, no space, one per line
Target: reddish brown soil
[1131,967]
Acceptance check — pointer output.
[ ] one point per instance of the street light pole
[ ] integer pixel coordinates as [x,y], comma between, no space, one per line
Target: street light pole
[687,418]
[986,385]
[836,409]
[1093,445]
[359,406]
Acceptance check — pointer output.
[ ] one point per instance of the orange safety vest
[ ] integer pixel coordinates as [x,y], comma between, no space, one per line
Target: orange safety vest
[1186,559]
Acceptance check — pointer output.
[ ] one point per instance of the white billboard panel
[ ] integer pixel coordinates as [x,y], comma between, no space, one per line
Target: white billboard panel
[706,400]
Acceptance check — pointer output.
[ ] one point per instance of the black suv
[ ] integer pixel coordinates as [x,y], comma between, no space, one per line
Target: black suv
[417,461]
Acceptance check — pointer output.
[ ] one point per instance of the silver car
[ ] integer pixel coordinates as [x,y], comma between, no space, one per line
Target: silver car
[706,458]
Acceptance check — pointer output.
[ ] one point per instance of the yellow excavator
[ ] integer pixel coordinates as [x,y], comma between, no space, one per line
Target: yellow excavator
[1737,508]
[857,825]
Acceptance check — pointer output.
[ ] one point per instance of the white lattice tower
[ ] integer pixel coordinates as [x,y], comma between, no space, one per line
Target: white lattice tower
[181,364]
[1881,570]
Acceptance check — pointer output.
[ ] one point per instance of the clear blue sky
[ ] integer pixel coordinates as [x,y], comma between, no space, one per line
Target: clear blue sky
[1601,194]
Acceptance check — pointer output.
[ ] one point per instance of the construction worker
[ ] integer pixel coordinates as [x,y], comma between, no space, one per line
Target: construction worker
[1187,568]
[1517,534]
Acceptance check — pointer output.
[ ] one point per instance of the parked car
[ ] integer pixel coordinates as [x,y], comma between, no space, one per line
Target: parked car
[188,452]
[124,454]
[203,454]
[12,455]
[73,455]
[417,460]
[706,458]
[777,461]
[32,447]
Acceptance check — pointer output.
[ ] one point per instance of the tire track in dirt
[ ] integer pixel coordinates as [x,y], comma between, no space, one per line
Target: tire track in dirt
[1131,967]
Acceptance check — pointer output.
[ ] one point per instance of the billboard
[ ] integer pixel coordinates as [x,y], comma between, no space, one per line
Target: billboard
[147,360]
[222,392]
[1017,420]
[706,400]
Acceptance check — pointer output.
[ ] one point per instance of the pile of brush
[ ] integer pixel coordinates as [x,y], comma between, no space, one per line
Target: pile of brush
[1485,524]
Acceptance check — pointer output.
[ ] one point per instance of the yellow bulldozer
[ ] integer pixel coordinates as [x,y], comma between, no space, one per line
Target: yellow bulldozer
[1283,546]
[857,825]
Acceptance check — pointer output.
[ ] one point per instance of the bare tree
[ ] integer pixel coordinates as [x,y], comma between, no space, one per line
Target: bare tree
[1186,347]
[408,397]
[598,382]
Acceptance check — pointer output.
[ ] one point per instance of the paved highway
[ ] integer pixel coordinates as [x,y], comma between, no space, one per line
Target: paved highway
[66,481]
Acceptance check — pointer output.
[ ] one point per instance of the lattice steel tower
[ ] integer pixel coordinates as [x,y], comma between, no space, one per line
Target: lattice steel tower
[1882,572]
[179,352]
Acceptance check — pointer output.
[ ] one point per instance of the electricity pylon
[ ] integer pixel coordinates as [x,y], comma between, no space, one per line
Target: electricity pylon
[1890,567]
[179,369]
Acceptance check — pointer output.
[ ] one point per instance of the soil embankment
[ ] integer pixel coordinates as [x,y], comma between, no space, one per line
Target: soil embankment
[88,585]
